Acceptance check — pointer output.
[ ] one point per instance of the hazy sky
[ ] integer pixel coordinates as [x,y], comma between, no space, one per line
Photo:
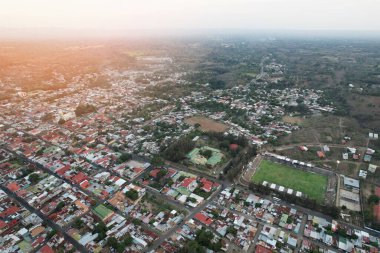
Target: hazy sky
[191,14]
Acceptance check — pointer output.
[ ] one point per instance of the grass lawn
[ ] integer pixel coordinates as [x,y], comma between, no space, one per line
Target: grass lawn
[314,185]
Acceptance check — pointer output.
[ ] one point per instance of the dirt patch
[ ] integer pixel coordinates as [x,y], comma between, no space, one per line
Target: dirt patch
[207,125]
[293,120]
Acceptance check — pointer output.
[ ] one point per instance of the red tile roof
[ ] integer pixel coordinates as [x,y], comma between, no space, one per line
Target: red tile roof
[80,177]
[62,170]
[320,154]
[137,170]
[13,186]
[38,241]
[3,224]
[234,146]
[203,218]
[154,173]
[46,249]
[85,184]
[262,249]
[187,181]
[3,165]
[207,185]
[11,210]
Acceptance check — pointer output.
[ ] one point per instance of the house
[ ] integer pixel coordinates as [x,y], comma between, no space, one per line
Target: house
[207,185]
[326,148]
[351,183]
[189,183]
[13,186]
[303,148]
[367,158]
[372,168]
[373,136]
[154,173]
[321,154]
[203,219]
[46,249]
[345,156]
[262,249]
[79,178]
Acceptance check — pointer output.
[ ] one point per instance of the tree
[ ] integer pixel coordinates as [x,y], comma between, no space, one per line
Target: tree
[178,150]
[373,199]
[101,229]
[132,194]
[51,234]
[192,200]
[217,84]
[84,109]
[124,157]
[112,242]
[78,223]
[40,151]
[157,161]
[231,230]
[60,206]
[34,178]
[206,153]
[61,121]
[161,173]
[192,247]
[204,237]
[128,240]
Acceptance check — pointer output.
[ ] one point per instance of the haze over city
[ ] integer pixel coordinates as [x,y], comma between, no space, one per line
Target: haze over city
[96,17]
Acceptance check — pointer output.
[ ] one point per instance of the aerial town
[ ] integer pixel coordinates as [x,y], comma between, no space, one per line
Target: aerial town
[148,159]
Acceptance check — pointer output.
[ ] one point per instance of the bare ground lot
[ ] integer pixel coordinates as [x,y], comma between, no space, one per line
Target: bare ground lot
[207,125]
[327,129]
[293,120]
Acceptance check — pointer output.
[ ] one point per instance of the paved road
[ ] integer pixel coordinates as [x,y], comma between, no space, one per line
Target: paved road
[52,224]
[308,211]
[192,213]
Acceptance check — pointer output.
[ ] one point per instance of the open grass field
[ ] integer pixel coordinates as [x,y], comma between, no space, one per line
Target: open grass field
[207,125]
[312,184]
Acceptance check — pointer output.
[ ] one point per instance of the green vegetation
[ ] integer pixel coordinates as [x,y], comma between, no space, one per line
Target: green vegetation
[202,241]
[84,109]
[132,194]
[59,206]
[124,157]
[34,178]
[119,246]
[102,211]
[101,229]
[177,151]
[157,161]
[205,156]
[313,185]
[78,223]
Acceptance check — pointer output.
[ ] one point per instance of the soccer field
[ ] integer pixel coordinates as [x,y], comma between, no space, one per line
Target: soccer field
[314,185]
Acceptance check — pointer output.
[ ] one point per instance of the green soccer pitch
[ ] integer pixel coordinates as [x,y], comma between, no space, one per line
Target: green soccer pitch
[311,184]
